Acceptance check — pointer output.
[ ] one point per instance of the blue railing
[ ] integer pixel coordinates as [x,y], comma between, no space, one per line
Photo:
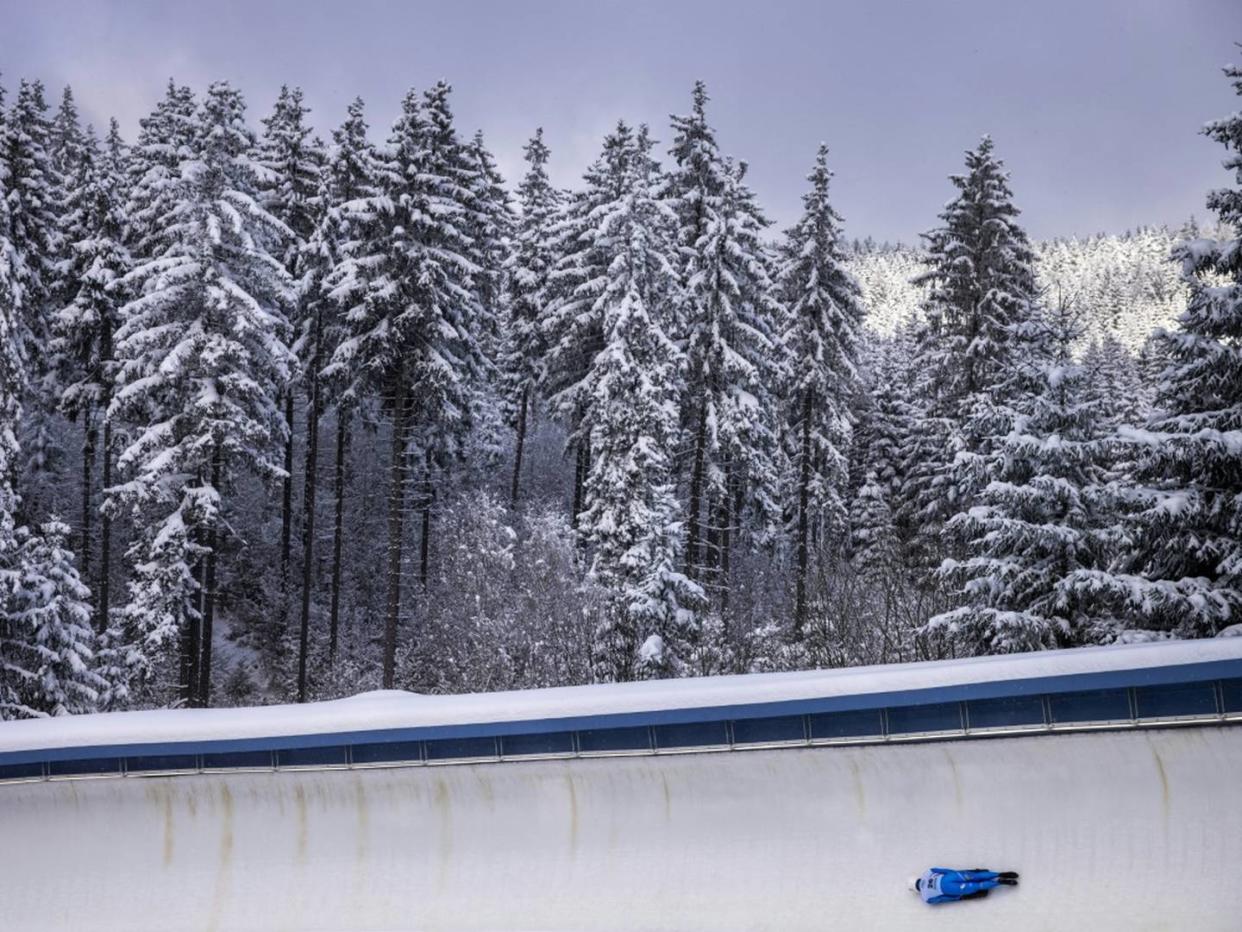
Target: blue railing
[1205,693]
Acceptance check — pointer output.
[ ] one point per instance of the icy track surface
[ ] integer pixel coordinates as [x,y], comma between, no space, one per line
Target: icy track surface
[1137,830]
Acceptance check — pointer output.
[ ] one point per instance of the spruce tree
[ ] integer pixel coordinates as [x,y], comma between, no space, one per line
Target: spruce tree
[728,324]
[456,421]
[878,534]
[50,650]
[1183,573]
[289,185]
[874,543]
[412,339]
[33,239]
[66,147]
[165,140]
[650,624]
[46,641]
[66,139]
[1115,384]
[1042,517]
[980,288]
[83,329]
[349,175]
[35,242]
[488,223]
[528,267]
[826,315]
[13,673]
[573,321]
[204,355]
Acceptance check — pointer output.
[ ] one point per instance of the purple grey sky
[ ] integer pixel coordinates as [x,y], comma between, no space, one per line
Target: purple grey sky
[1094,104]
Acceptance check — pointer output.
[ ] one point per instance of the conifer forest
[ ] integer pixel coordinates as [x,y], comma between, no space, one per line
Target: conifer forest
[288,413]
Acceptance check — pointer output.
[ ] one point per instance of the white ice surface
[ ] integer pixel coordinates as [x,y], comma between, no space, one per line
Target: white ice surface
[395,709]
[1137,831]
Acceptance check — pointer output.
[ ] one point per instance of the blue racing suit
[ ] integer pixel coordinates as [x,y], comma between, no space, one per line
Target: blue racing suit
[944,885]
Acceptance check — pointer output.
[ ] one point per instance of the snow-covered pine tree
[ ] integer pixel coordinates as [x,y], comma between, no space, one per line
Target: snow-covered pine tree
[880,436]
[289,185]
[82,330]
[66,149]
[491,228]
[1183,573]
[573,318]
[204,355]
[35,243]
[1042,517]
[66,138]
[651,624]
[1116,387]
[874,544]
[457,421]
[693,188]
[50,649]
[822,342]
[46,641]
[981,287]
[1115,381]
[728,323]
[289,181]
[12,672]
[31,193]
[349,175]
[165,139]
[528,267]
[412,307]
[489,225]
[890,388]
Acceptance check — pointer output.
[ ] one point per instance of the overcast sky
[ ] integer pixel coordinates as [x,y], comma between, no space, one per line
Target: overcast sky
[1094,104]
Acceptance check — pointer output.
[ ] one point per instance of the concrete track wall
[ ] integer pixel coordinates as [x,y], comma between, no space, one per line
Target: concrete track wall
[1126,831]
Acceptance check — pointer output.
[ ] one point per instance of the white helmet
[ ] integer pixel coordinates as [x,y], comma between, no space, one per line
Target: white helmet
[913,884]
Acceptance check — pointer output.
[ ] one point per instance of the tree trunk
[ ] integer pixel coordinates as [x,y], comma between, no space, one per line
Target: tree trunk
[286,513]
[726,538]
[804,493]
[396,515]
[521,444]
[424,545]
[194,649]
[338,530]
[103,587]
[187,682]
[105,534]
[209,589]
[308,515]
[711,545]
[694,533]
[89,439]
[580,481]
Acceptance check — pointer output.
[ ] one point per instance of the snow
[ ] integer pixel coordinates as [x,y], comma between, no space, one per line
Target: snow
[1132,831]
[396,709]
[652,649]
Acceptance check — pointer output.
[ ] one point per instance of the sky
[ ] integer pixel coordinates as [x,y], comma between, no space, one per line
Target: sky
[1095,105]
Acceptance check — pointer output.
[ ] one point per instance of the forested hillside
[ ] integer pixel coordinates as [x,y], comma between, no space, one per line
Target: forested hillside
[1124,285]
[285,417]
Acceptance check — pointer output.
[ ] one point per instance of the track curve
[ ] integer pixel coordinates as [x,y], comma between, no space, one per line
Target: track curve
[1133,830]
